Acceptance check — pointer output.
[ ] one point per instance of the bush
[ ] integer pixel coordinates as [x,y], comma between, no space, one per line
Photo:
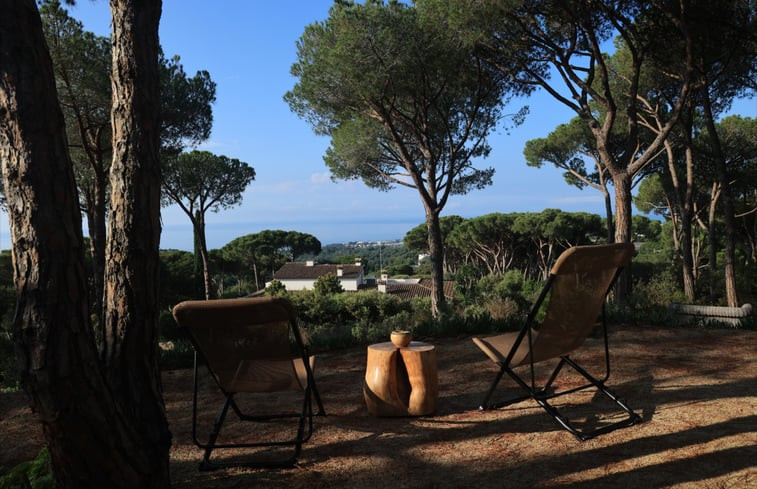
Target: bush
[349,318]
[503,308]
[365,332]
[372,306]
[510,284]
[276,289]
[326,337]
[328,284]
[8,372]
[511,287]
[661,289]
[179,354]
[168,328]
[34,474]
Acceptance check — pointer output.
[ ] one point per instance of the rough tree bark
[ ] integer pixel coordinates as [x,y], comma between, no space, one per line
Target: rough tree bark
[130,353]
[685,203]
[436,250]
[93,442]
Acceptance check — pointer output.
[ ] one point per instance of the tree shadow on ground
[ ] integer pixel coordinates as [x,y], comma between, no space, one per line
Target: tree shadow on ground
[698,426]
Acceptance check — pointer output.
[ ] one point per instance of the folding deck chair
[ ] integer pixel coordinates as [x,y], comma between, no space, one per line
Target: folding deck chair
[577,287]
[250,345]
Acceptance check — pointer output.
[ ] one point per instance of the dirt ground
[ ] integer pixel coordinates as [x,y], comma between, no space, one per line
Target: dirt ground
[696,391]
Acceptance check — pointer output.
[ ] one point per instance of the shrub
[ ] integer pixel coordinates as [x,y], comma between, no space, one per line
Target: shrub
[510,284]
[8,372]
[365,331]
[325,336]
[328,284]
[34,474]
[180,354]
[276,289]
[372,306]
[168,328]
[661,289]
[503,308]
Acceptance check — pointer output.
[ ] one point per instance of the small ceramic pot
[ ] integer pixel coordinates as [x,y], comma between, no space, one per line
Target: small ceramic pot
[401,338]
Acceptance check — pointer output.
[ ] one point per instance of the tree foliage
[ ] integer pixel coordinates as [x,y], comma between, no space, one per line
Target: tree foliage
[186,115]
[261,254]
[535,40]
[496,243]
[391,256]
[82,64]
[404,101]
[568,148]
[328,284]
[200,181]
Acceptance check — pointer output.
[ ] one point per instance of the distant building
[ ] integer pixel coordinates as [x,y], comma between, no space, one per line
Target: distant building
[412,288]
[302,275]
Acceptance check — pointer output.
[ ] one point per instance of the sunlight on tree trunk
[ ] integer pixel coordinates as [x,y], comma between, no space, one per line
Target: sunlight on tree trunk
[132,257]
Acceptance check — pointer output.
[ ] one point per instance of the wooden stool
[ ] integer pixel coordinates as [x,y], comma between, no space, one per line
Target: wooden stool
[401,381]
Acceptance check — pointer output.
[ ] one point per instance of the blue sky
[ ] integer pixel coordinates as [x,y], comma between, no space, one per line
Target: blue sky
[248,47]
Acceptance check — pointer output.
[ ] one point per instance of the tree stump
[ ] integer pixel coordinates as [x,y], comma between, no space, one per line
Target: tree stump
[401,381]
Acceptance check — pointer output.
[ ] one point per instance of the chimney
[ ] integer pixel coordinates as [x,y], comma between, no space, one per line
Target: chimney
[382,287]
[358,261]
[384,277]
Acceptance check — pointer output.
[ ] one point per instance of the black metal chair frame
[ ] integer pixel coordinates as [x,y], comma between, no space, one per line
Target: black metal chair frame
[301,437]
[543,394]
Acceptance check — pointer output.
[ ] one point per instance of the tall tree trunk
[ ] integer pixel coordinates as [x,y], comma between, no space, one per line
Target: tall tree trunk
[684,194]
[687,258]
[436,250]
[608,216]
[97,235]
[132,258]
[93,442]
[712,240]
[94,209]
[90,136]
[623,231]
[255,273]
[752,235]
[199,225]
[198,282]
[687,249]
[729,214]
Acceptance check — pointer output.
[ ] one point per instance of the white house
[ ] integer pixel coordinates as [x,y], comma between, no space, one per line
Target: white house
[302,275]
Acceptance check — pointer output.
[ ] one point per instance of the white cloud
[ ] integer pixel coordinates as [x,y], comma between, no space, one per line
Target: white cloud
[320,178]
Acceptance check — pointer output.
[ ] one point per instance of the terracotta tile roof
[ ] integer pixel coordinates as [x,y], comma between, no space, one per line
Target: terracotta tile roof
[303,271]
[421,289]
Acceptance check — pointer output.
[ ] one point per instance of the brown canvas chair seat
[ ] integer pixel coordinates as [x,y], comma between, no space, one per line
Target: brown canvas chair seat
[250,345]
[577,287]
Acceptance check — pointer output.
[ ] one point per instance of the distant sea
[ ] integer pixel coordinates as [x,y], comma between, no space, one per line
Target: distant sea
[179,236]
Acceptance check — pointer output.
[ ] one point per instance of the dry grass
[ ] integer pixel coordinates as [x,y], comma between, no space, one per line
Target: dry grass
[696,391]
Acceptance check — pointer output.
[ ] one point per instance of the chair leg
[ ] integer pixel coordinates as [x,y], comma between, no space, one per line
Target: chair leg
[302,436]
[206,464]
[308,413]
[485,403]
[630,420]
[541,396]
[317,395]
